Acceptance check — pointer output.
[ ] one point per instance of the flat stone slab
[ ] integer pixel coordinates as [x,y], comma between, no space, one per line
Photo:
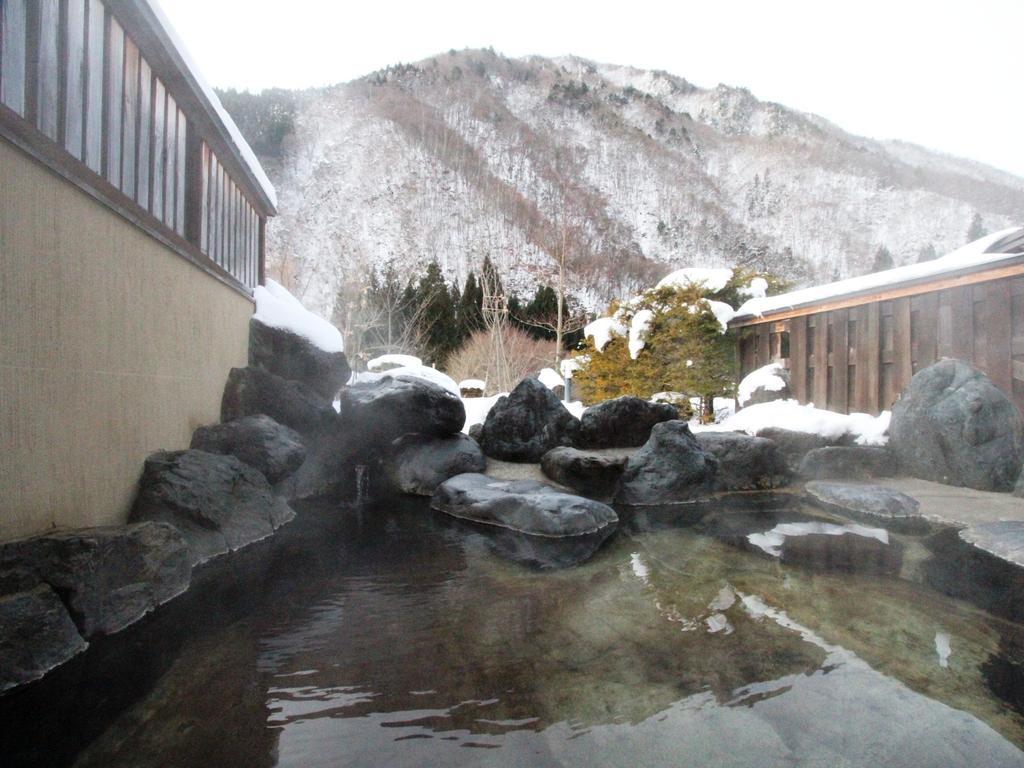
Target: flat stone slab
[419,464]
[1001,538]
[871,504]
[524,506]
[955,505]
[847,462]
[592,473]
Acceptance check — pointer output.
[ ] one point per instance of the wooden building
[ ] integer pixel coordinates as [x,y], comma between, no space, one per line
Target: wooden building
[853,345]
[132,219]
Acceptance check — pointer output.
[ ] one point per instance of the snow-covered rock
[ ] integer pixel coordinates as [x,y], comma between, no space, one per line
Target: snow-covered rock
[277,308]
[390,361]
[426,373]
[789,414]
[550,378]
[771,378]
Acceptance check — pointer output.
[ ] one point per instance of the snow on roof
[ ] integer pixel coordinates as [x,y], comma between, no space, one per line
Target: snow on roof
[767,377]
[393,361]
[975,254]
[277,308]
[712,279]
[473,384]
[207,93]
[602,331]
[549,378]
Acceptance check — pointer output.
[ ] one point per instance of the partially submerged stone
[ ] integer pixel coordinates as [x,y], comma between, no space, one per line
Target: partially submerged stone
[259,441]
[419,464]
[847,462]
[524,506]
[218,503]
[36,634]
[527,423]
[624,422]
[586,472]
[745,463]
[670,467]
[849,552]
[109,577]
[295,358]
[871,504]
[953,425]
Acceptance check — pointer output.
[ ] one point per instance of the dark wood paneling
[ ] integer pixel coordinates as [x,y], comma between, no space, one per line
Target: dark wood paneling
[995,333]
[114,100]
[74,81]
[925,330]
[48,68]
[763,348]
[902,366]
[130,117]
[95,57]
[820,385]
[840,361]
[961,303]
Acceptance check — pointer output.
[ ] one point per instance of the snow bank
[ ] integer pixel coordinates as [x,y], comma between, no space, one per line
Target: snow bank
[638,329]
[602,330]
[277,308]
[473,384]
[432,375]
[396,361]
[477,409]
[711,279]
[767,378]
[550,378]
[970,255]
[789,414]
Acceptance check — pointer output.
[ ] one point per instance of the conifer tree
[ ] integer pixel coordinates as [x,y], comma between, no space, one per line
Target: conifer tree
[883,260]
[976,229]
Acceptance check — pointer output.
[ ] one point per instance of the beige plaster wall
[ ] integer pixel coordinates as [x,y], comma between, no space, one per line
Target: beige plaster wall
[111,346]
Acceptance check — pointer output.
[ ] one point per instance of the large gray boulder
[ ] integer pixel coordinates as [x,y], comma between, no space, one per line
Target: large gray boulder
[745,463]
[524,506]
[527,423]
[218,503]
[953,425]
[419,464]
[847,462]
[259,441]
[295,358]
[624,422]
[252,391]
[381,411]
[794,445]
[586,472]
[36,631]
[109,577]
[670,467]
[763,394]
[869,504]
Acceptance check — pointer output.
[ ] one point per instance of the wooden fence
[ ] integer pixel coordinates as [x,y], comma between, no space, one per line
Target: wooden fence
[860,357]
[92,89]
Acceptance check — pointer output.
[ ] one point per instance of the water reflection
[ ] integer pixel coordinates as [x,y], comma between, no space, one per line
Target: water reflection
[409,641]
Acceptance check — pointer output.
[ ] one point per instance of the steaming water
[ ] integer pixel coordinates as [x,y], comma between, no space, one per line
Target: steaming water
[406,640]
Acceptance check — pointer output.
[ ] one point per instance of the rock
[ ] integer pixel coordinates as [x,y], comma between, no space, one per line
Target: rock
[525,506]
[259,441]
[419,464]
[745,463]
[36,634]
[383,410]
[670,467]
[953,425]
[847,462]
[763,395]
[253,391]
[624,422]
[527,423]
[476,432]
[218,503]
[849,552]
[292,357]
[591,474]
[108,577]
[794,445]
[870,504]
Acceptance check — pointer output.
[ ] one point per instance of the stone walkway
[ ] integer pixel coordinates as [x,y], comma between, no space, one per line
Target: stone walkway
[957,506]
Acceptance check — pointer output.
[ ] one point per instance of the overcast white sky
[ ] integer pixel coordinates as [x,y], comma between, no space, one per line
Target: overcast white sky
[944,74]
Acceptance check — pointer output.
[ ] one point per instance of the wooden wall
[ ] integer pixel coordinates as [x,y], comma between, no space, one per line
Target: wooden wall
[860,358]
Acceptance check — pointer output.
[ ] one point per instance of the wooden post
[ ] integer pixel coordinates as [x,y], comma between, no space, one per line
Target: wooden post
[263,250]
[871,344]
[996,335]
[902,368]
[798,357]
[820,394]
[193,186]
[840,360]
[961,301]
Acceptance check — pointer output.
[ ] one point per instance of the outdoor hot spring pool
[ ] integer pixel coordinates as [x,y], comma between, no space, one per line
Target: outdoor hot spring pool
[394,636]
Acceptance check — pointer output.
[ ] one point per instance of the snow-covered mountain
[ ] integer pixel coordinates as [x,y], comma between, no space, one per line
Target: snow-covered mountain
[470,154]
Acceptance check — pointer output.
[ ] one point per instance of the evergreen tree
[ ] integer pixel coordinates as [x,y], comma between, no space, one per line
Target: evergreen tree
[470,308]
[883,260]
[976,229]
[928,253]
[437,314]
